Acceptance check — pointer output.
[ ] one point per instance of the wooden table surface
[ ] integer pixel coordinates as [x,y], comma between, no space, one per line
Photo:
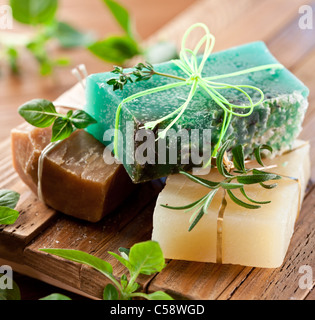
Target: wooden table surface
[233,22]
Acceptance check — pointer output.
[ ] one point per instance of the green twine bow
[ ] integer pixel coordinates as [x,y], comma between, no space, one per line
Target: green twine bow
[189,65]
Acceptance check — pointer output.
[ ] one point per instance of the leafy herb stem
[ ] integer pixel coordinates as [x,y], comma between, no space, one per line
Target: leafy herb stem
[239,173]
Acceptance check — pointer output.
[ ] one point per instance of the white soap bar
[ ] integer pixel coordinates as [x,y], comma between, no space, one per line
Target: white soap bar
[258,238]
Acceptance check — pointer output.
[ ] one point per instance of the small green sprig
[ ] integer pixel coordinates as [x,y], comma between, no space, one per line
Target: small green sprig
[8,202]
[142,258]
[140,72]
[234,179]
[42,113]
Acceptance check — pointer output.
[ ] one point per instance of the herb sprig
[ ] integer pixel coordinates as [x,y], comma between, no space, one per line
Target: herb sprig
[8,202]
[234,179]
[42,113]
[142,258]
[141,72]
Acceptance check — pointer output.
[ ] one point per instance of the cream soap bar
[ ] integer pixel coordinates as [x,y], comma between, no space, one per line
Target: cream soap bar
[257,238]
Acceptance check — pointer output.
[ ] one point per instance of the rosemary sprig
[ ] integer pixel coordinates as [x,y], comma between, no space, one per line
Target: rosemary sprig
[141,72]
[234,179]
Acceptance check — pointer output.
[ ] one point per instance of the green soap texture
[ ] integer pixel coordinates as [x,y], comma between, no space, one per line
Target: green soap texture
[276,122]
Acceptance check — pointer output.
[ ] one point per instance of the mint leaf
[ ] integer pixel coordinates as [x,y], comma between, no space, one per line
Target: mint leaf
[110,293]
[146,258]
[61,129]
[9,198]
[121,15]
[115,49]
[40,113]
[8,215]
[56,296]
[80,119]
[69,37]
[34,11]
[84,258]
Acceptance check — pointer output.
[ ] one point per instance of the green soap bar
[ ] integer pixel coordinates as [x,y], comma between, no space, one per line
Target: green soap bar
[277,121]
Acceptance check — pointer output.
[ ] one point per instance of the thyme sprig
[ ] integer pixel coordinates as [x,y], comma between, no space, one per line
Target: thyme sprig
[237,178]
[141,72]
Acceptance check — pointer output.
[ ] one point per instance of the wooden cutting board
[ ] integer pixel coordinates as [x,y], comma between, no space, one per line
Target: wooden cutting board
[276,22]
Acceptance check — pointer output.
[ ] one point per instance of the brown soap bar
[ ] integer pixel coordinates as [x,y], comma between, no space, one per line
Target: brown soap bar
[75,180]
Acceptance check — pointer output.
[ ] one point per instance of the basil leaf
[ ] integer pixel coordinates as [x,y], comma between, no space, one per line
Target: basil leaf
[257,178]
[40,113]
[9,294]
[69,37]
[55,296]
[219,159]
[80,119]
[84,258]
[34,11]
[8,215]
[240,202]
[122,260]
[115,49]
[257,153]
[9,198]
[146,258]
[238,158]
[110,293]
[251,200]
[61,129]
[159,295]
[121,15]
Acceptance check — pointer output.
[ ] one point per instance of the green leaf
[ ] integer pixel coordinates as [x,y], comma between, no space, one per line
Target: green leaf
[84,258]
[9,198]
[159,295]
[121,15]
[219,159]
[69,37]
[240,202]
[251,200]
[257,153]
[80,119]
[122,260]
[124,281]
[124,252]
[229,186]
[10,294]
[189,206]
[238,158]
[257,178]
[13,55]
[8,215]
[203,182]
[40,113]
[266,186]
[110,293]
[34,11]
[197,219]
[61,129]
[115,49]
[55,296]
[146,258]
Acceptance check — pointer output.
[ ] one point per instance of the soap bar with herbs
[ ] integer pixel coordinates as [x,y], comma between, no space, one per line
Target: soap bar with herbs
[277,121]
[75,179]
[250,237]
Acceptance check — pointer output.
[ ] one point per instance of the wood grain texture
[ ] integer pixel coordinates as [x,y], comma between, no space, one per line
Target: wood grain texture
[274,21]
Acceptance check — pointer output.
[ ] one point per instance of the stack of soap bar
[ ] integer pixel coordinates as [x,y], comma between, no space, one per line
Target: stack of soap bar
[257,238]
[277,121]
[75,180]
